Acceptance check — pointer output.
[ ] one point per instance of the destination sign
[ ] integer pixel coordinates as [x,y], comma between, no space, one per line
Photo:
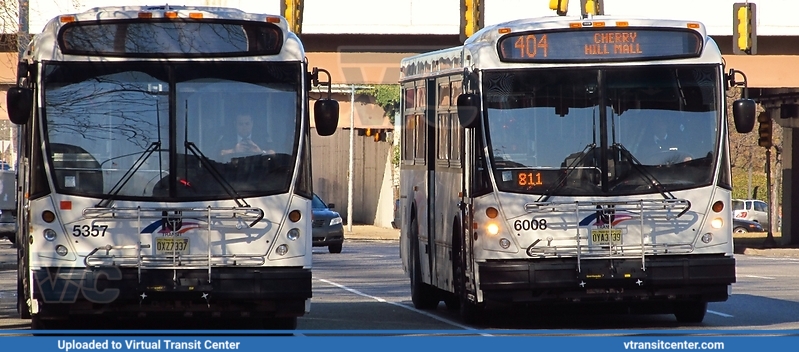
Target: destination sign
[600,44]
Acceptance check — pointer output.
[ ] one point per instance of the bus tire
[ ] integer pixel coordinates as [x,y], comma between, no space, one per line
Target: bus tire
[470,312]
[280,323]
[690,312]
[423,295]
[453,299]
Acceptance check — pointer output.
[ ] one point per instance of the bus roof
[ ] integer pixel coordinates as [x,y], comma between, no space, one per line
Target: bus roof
[44,46]
[480,50]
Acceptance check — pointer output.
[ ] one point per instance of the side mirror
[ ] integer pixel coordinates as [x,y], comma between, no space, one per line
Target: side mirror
[325,110]
[744,111]
[19,102]
[331,206]
[469,110]
[326,116]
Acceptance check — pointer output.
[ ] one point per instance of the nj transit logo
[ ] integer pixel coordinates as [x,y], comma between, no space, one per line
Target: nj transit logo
[161,226]
[604,218]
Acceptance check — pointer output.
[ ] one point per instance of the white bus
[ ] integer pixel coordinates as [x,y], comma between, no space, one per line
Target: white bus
[128,204]
[532,172]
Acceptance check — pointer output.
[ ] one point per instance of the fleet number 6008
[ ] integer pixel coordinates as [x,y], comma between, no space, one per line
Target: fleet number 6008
[533,224]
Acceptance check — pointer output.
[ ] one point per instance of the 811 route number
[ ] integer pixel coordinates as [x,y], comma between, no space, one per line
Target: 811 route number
[524,225]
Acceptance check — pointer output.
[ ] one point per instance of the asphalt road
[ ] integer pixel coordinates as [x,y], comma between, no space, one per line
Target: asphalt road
[364,288]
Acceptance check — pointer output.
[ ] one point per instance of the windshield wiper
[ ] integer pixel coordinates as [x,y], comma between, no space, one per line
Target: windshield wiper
[129,174]
[564,176]
[190,146]
[645,175]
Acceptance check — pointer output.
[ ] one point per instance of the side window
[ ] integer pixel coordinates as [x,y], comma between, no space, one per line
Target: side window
[761,206]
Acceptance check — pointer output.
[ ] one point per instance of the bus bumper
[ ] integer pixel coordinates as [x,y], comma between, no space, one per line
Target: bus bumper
[231,292]
[666,278]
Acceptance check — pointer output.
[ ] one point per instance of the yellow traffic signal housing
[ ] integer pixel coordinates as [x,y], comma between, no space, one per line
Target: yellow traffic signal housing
[560,6]
[764,131]
[744,28]
[292,11]
[471,18]
[592,7]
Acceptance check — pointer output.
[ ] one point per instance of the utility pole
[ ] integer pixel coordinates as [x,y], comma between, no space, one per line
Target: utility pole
[351,166]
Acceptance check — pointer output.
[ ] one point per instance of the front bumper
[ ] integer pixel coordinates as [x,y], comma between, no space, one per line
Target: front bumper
[231,291]
[325,236]
[668,278]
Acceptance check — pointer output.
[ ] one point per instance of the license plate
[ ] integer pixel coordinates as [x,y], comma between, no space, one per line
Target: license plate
[169,246]
[606,236]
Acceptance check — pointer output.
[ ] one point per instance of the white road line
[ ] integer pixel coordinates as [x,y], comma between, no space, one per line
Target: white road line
[759,277]
[719,313]
[381,300]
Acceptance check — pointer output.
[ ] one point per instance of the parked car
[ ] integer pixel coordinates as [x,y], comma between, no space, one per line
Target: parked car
[744,226]
[750,209]
[328,227]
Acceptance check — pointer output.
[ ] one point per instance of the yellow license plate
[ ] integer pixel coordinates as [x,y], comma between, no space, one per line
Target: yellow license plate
[606,236]
[169,246]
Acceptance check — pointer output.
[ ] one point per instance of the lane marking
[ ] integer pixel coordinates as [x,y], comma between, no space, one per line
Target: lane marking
[759,277]
[381,300]
[719,313]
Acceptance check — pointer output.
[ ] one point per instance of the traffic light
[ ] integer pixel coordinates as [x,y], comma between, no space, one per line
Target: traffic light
[560,6]
[292,11]
[764,130]
[592,7]
[744,25]
[471,18]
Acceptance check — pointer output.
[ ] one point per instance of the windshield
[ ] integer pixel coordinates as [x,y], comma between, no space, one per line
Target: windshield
[141,130]
[317,203]
[603,131]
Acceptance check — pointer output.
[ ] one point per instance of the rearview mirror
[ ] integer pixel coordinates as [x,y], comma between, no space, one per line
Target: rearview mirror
[468,110]
[744,111]
[326,116]
[19,102]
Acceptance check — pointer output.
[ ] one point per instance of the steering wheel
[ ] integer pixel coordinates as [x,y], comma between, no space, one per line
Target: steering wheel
[667,157]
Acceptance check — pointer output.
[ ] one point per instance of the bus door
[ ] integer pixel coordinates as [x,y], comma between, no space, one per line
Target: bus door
[429,249]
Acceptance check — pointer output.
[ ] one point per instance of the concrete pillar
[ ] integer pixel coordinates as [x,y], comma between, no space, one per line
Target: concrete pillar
[790,193]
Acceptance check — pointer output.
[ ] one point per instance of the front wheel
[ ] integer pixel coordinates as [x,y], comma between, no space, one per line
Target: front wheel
[690,312]
[423,295]
[334,248]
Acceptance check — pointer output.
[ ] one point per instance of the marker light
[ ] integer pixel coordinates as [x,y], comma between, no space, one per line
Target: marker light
[504,243]
[706,238]
[718,206]
[492,212]
[492,229]
[295,216]
[48,216]
[61,250]
[716,223]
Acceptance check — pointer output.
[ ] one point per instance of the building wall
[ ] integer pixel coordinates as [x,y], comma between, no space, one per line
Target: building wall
[371,192]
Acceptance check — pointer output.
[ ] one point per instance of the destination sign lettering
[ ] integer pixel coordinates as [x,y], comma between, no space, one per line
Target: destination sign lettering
[600,44]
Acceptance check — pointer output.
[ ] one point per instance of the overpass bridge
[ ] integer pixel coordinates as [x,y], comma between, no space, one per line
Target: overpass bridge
[362,42]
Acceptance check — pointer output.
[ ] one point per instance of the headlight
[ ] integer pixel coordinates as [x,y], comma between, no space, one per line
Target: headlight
[293,234]
[49,234]
[335,221]
[282,249]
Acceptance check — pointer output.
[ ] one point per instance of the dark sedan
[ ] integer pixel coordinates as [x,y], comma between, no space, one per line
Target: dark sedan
[744,226]
[328,228]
